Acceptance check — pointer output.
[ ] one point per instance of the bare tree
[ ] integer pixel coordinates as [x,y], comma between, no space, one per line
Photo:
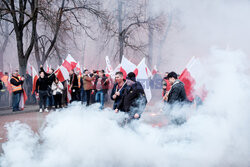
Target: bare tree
[4,34]
[21,14]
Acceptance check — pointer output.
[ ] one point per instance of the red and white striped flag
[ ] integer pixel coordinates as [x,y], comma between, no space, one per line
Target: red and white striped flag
[127,67]
[62,72]
[154,71]
[23,100]
[34,79]
[143,77]
[78,68]
[190,77]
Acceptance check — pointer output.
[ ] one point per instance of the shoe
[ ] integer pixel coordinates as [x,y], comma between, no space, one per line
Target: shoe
[41,110]
[46,110]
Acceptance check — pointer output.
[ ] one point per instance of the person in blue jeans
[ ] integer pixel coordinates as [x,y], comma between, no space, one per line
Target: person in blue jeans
[17,90]
[100,84]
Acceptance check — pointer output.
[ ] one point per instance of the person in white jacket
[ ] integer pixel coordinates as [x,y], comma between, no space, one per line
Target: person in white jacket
[57,88]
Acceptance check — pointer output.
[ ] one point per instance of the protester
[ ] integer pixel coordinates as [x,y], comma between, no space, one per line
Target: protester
[17,90]
[51,77]
[133,100]
[82,91]
[177,92]
[87,85]
[1,89]
[57,89]
[165,88]
[74,87]
[42,91]
[118,89]
[100,86]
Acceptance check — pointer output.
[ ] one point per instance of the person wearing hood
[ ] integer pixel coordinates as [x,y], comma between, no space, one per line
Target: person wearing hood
[177,92]
[133,100]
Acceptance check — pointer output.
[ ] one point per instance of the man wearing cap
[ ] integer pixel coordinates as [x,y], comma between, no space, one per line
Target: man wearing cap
[16,85]
[177,92]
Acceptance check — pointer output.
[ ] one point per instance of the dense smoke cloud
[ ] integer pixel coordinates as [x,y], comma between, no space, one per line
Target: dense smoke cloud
[216,134]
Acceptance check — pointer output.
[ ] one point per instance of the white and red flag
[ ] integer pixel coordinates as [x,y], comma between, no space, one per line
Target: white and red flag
[190,77]
[154,71]
[34,79]
[78,68]
[23,100]
[143,77]
[127,67]
[62,72]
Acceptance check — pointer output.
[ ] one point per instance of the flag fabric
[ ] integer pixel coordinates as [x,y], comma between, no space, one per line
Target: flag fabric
[62,72]
[189,76]
[109,68]
[143,78]
[127,67]
[34,79]
[154,71]
[78,68]
[69,63]
[68,92]
[23,100]
[29,69]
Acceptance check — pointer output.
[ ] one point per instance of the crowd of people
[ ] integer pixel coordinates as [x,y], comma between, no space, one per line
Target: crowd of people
[127,93]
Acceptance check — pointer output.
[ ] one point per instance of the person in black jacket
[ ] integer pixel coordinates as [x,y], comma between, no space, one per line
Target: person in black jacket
[17,90]
[74,86]
[133,100]
[42,91]
[51,77]
[177,92]
[118,89]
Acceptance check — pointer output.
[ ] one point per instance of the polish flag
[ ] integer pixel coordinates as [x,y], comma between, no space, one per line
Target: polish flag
[23,100]
[62,72]
[127,67]
[34,79]
[143,77]
[29,69]
[69,63]
[109,68]
[68,92]
[154,71]
[189,76]
[78,68]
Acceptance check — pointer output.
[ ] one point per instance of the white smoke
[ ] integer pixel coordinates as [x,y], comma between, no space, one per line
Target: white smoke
[216,134]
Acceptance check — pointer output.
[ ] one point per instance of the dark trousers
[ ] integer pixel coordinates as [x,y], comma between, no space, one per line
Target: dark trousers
[15,101]
[43,98]
[58,100]
[75,94]
[88,96]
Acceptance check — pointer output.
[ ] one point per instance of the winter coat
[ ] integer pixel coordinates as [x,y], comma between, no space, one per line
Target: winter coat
[51,77]
[177,93]
[57,88]
[42,84]
[104,83]
[118,98]
[87,84]
[16,83]
[133,99]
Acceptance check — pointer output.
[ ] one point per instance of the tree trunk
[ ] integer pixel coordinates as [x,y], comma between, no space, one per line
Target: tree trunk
[120,30]
[164,40]
[4,45]
[150,47]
